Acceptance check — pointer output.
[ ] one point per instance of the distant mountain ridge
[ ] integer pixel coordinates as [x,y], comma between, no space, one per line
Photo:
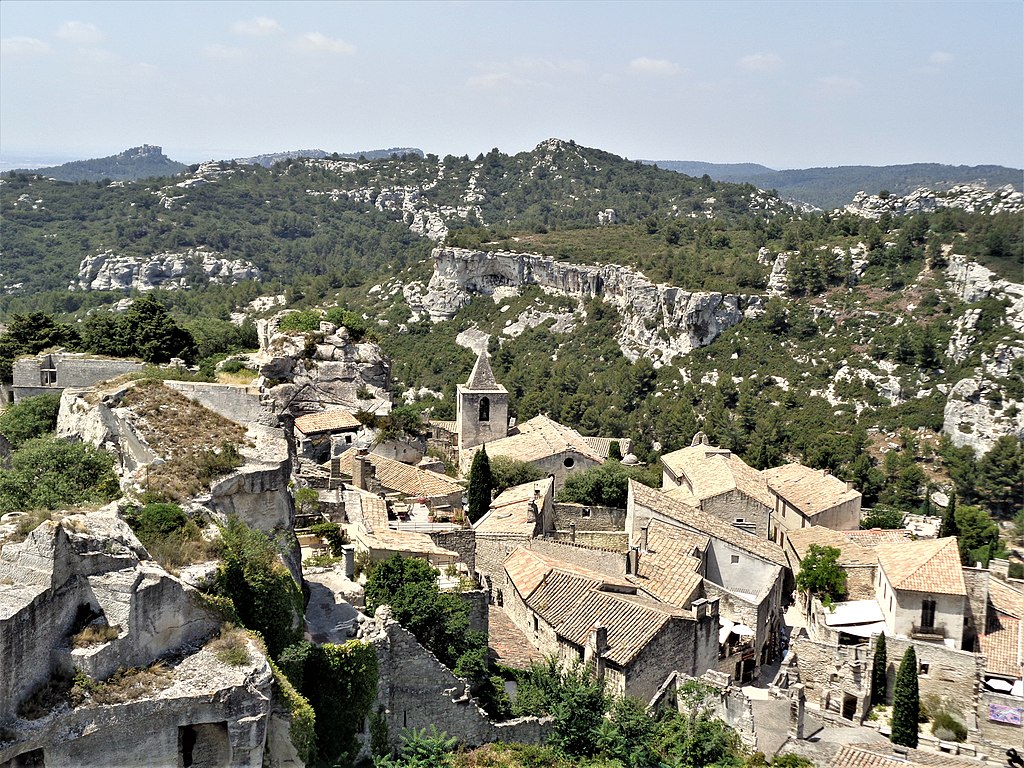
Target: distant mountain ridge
[270,158]
[141,162]
[834,187]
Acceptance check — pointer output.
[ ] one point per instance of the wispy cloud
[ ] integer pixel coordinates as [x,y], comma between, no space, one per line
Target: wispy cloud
[840,86]
[318,42]
[935,63]
[261,26]
[221,51]
[80,32]
[23,46]
[97,55]
[646,66]
[490,80]
[760,62]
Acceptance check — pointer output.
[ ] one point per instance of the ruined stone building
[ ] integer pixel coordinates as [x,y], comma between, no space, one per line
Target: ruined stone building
[90,571]
[55,371]
[321,436]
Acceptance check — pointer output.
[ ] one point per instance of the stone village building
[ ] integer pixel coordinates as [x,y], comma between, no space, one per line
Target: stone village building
[53,372]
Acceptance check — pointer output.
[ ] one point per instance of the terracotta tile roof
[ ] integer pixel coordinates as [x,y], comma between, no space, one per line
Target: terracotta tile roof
[1005,598]
[1003,647]
[539,438]
[510,511]
[447,426]
[875,536]
[923,566]
[409,481]
[326,421]
[882,756]
[366,509]
[481,379]
[526,570]
[632,623]
[669,569]
[601,445]
[703,523]
[852,552]
[711,471]
[370,514]
[810,490]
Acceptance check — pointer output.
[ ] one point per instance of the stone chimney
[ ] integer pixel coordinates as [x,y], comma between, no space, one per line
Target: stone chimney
[531,514]
[572,531]
[361,469]
[644,538]
[849,485]
[597,645]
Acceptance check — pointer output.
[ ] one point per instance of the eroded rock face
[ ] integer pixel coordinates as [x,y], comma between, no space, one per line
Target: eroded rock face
[658,320]
[977,412]
[969,197]
[971,282]
[110,272]
[303,373]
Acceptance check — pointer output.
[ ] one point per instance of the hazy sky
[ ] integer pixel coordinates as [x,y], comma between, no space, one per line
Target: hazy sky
[786,84]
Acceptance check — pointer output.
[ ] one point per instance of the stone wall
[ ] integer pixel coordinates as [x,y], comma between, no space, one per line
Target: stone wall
[463,542]
[606,561]
[491,551]
[240,404]
[952,675]
[617,540]
[830,673]
[734,505]
[72,370]
[860,581]
[417,691]
[478,601]
[587,517]
[995,734]
[976,613]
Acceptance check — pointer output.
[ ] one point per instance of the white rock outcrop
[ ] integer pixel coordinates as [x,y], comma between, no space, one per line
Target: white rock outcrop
[971,282]
[973,198]
[978,412]
[304,373]
[658,320]
[108,271]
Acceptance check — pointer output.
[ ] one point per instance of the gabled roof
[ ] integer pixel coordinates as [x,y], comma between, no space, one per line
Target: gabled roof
[704,523]
[852,552]
[539,438]
[710,472]
[931,565]
[573,600]
[882,756]
[404,479]
[510,512]
[326,421]
[481,379]
[602,445]
[809,490]
[668,569]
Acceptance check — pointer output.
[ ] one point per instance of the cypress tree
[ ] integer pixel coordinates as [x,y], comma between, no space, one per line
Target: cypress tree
[481,484]
[879,683]
[949,526]
[906,704]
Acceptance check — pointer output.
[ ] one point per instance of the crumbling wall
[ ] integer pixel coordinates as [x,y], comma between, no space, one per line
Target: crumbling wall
[830,673]
[416,690]
[951,675]
[241,404]
[463,542]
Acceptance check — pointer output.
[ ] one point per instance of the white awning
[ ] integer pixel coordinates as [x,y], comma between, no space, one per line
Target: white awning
[863,630]
[995,684]
[853,612]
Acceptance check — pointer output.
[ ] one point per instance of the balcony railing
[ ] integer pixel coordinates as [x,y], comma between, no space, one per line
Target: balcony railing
[937,631]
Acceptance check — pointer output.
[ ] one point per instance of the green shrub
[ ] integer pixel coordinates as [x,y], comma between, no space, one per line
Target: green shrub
[29,417]
[333,534]
[263,591]
[47,473]
[305,321]
[947,727]
[302,729]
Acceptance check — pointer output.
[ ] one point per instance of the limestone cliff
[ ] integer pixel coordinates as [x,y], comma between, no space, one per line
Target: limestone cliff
[108,271]
[658,320]
[970,197]
[977,411]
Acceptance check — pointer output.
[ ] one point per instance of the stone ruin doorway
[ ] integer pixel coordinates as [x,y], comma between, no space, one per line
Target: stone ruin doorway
[204,745]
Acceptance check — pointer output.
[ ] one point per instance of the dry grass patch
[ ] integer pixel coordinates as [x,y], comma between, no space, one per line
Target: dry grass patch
[95,635]
[197,445]
[232,646]
[124,685]
[241,377]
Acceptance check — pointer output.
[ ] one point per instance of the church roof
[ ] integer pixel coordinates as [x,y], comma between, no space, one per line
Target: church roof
[482,377]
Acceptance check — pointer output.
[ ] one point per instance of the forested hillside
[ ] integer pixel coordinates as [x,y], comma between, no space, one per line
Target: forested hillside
[861,327]
[830,188]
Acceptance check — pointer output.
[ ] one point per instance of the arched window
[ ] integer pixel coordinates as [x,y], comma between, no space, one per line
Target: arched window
[485,409]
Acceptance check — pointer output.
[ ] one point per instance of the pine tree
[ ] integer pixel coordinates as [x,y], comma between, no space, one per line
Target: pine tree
[949,526]
[879,682]
[906,703]
[481,484]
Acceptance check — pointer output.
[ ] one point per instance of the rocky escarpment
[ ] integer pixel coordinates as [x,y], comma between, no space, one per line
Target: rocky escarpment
[305,372]
[978,410]
[109,272]
[972,198]
[660,321]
